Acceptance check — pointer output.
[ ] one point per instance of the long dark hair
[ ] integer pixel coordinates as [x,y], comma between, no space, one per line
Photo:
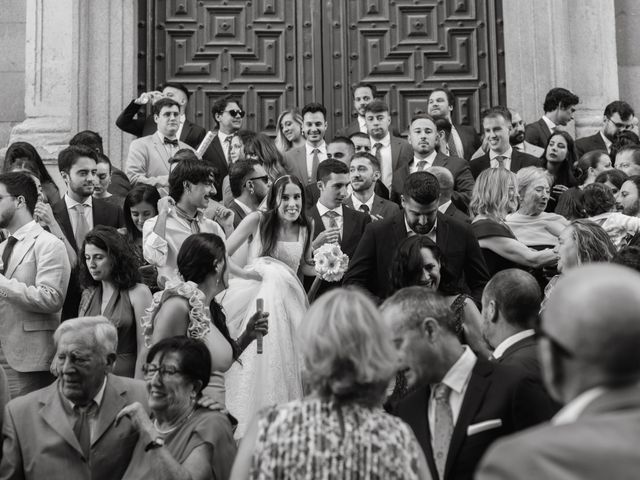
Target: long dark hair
[195,259]
[271,221]
[139,194]
[564,176]
[25,150]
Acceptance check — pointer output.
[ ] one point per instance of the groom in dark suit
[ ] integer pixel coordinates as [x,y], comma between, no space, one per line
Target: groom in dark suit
[460,403]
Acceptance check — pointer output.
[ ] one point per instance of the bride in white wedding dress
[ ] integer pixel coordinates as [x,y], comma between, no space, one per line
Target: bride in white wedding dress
[279,250]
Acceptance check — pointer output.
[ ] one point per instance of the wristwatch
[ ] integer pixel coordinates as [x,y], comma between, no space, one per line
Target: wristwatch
[155,443]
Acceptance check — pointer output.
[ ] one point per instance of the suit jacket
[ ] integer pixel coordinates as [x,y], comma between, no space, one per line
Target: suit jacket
[469,138]
[238,211]
[370,266]
[120,185]
[215,157]
[32,293]
[401,153]
[312,193]
[463,181]
[380,206]
[295,162]
[601,443]
[39,441]
[590,143]
[537,133]
[452,211]
[518,160]
[494,393]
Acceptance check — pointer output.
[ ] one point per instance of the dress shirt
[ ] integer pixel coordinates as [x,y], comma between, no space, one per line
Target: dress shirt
[513,339]
[443,208]
[244,208]
[431,234]
[223,144]
[322,210]
[507,158]
[549,123]
[357,203]
[183,117]
[457,379]
[322,155]
[607,142]
[413,166]
[88,212]
[572,410]
[457,141]
[170,149]
[93,419]
[363,125]
[386,162]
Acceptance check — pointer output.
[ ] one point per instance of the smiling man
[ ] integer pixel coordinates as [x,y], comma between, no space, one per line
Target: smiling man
[363,94]
[303,161]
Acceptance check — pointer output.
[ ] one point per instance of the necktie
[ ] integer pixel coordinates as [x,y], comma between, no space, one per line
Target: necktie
[171,142]
[331,215]
[228,142]
[81,427]
[314,164]
[6,255]
[365,208]
[500,159]
[421,165]
[453,151]
[82,227]
[443,426]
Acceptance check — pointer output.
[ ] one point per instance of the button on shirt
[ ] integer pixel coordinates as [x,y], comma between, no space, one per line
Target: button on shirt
[493,162]
[513,339]
[322,155]
[413,166]
[71,209]
[322,210]
[386,162]
[93,419]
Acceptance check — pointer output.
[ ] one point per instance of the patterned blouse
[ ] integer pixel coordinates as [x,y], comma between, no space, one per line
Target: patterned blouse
[318,439]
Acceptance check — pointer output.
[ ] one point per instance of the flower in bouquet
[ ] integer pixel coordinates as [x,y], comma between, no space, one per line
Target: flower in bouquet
[330,263]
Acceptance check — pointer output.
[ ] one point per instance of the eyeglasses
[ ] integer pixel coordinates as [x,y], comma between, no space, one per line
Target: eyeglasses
[150,369]
[621,126]
[236,113]
[264,178]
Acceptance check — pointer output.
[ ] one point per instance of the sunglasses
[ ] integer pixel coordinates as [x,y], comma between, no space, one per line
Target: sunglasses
[236,113]
[264,178]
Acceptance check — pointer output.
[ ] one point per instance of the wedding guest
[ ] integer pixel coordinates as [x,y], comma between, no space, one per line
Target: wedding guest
[445,203]
[303,161]
[613,179]
[570,204]
[361,142]
[260,147]
[249,184]
[590,165]
[628,198]
[627,160]
[103,181]
[184,440]
[339,430]
[558,159]
[112,288]
[628,256]
[24,155]
[559,107]
[237,152]
[289,130]
[618,116]
[363,95]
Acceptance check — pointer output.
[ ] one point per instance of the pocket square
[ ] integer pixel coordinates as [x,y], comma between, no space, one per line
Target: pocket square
[483,426]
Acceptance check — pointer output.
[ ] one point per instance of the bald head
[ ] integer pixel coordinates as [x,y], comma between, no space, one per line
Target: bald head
[444,176]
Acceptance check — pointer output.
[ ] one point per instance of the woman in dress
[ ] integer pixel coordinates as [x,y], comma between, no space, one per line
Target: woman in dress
[111,281]
[23,154]
[279,250]
[289,128]
[339,430]
[558,159]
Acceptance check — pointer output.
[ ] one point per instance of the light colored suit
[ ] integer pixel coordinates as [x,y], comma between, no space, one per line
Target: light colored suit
[32,292]
[602,443]
[39,442]
[295,162]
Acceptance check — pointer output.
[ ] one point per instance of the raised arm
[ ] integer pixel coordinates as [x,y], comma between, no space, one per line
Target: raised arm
[248,227]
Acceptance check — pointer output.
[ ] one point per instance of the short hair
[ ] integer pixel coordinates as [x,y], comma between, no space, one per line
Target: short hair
[597,198]
[621,108]
[376,106]
[491,193]
[495,112]
[443,125]
[422,116]
[526,176]
[628,256]
[444,177]
[559,97]
[68,157]
[419,303]
[348,353]
[585,162]
[182,154]
[364,136]
[188,170]
[103,333]
[517,295]
[370,86]
[327,167]
[375,163]
[220,105]
[593,243]
[422,187]
[19,150]
[138,194]
[450,96]
[164,102]
[635,153]
[178,86]
[616,177]
[570,204]
[194,358]
[20,184]
[238,172]
[102,158]
[345,141]
[88,138]
[314,107]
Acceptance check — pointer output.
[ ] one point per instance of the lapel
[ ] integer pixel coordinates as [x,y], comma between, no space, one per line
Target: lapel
[399,228]
[112,402]
[55,415]
[378,204]
[419,409]
[395,152]
[348,202]
[442,232]
[516,160]
[348,226]
[440,160]
[318,224]
[22,248]
[62,215]
[301,164]
[160,150]
[525,342]
[544,127]
[186,131]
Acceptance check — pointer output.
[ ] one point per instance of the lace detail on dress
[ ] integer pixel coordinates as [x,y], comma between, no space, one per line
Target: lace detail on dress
[289,253]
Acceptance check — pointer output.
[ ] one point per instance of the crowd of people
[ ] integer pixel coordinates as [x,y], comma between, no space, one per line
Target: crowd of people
[169,320]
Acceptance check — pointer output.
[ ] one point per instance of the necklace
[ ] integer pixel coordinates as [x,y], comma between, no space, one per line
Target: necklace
[175,425]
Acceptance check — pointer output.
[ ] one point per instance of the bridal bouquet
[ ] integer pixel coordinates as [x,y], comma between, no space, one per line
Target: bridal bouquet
[330,263]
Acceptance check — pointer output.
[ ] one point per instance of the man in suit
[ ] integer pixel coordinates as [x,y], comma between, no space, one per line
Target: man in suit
[445,205]
[370,266]
[463,140]
[423,138]
[150,157]
[590,364]
[559,107]
[458,403]
[34,275]
[364,173]
[361,142]
[77,211]
[303,161]
[516,139]
[68,429]
[618,117]
[496,122]
[363,94]
[249,185]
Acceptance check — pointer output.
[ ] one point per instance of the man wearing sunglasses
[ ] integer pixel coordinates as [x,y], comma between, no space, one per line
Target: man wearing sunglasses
[249,185]
[590,338]
[618,117]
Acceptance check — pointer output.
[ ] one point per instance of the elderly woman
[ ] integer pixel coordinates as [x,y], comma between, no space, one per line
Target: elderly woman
[530,223]
[180,440]
[494,196]
[340,429]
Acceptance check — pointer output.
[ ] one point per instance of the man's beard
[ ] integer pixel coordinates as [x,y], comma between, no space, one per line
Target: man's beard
[633,210]
[517,139]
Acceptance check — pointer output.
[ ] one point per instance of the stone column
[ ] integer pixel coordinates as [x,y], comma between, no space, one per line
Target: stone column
[570,44]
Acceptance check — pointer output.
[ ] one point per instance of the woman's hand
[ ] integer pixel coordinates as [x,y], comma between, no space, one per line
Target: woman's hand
[140,420]
[43,214]
[547,257]
[166,204]
[559,189]
[258,323]
[210,404]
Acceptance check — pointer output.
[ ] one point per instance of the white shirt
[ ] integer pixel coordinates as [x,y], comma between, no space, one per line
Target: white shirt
[170,149]
[507,158]
[357,203]
[572,410]
[386,162]
[431,235]
[413,166]
[363,125]
[88,212]
[443,208]
[93,419]
[607,142]
[224,144]
[513,339]
[549,123]
[457,141]
[322,210]
[457,379]
[322,155]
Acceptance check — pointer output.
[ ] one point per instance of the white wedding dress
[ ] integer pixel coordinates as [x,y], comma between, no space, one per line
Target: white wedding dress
[274,376]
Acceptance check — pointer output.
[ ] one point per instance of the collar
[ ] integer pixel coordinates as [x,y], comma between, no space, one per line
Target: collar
[521,147]
[384,141]
[24,230]
[322,209]
[513,339]
[443,208]
[223,136]
[97,398]
[572,410]
[459,374]
[507,154]
[429,159]
[180,213]
[362,122]
[162,137]
[243,206]
[607,142]
[549,123]
[357,203]
[71,203]
[410,230]
[322,148]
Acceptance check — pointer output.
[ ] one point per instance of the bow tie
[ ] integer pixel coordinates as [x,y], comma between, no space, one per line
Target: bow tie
[171,142]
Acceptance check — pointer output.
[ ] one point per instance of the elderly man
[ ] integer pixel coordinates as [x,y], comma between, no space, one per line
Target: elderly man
[590,363]
[67,430]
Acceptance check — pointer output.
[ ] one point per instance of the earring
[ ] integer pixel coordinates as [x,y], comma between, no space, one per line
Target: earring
[251,191]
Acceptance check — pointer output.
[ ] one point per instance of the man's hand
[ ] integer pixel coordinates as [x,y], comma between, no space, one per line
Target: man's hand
[152,96]
[331,235]
[163,181]
[43,214]
[166,204]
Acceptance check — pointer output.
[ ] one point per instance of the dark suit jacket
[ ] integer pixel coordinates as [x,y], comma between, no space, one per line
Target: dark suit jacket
[120,184]
[238,211]
[518,160]
[312,193]
[590,143]
[104,213]
[537,133]
[370,266]
[401,153]
[494,393]
[452,211]
[380,206]
[469,138]
[463,181]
